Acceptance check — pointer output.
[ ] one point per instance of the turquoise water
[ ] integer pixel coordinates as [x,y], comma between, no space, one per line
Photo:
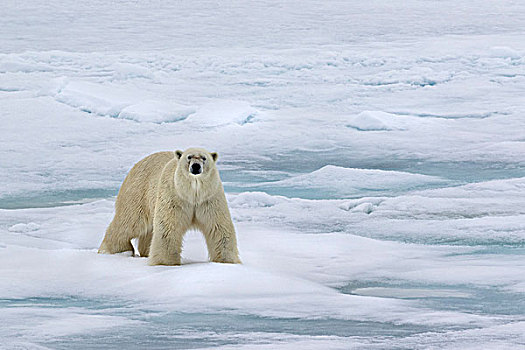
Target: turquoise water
[279,166]
[55,198]
[454,174]
[158,330]
[283,167]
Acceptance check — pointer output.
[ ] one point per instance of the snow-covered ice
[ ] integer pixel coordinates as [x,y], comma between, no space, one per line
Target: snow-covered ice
[373,154]
[344,182]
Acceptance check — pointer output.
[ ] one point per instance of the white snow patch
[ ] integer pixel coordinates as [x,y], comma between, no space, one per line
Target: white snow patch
[101,99]
[254,200]
[156,112]
[23,228]
[371,121]
[381,121]
[366,208]
[111,100]
[505,52]
[223,112]
[129,71]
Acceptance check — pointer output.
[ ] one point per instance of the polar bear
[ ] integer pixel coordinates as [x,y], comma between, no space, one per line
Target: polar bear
[163,196]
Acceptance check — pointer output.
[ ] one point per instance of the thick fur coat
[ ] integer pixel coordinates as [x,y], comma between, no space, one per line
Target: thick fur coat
[165,195]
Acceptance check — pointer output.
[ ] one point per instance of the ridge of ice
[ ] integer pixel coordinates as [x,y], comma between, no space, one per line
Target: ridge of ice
[376,121]
[350,180]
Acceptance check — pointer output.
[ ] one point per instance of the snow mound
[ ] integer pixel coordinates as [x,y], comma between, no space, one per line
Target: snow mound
[125,71]
[347,181]
[375,121]
[366,208]
[23,228]
[254,200]
[101,99]
[108,100]
[223,112]
[153,111]
[504,52]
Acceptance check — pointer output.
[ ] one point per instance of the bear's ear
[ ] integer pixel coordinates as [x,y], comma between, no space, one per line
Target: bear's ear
[215,156]
[178,154]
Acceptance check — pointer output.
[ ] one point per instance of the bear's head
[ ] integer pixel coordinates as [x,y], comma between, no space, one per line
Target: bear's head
[197,161]
[196,177]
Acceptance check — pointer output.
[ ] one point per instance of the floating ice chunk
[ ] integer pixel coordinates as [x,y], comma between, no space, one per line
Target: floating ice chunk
[375,121]
[223,112]
[156,112]
[504,52]
[22,228]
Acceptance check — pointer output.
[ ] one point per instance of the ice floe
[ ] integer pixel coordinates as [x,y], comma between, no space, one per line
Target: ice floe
[374,171]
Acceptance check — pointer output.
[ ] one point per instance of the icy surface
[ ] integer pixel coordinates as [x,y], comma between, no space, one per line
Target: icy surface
[373,154]
[344,182]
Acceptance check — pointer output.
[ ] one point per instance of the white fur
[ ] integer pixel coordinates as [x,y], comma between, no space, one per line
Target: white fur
[160,200]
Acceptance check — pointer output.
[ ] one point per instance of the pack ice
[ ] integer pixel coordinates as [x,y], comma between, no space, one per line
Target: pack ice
[373,155]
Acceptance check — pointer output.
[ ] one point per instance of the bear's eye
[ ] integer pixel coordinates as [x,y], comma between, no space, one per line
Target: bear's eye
[203,159]
[189,157]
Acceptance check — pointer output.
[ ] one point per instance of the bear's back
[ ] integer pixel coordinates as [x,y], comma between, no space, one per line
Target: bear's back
[139,186]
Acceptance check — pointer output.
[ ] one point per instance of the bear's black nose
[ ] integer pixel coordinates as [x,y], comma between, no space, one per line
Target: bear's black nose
[195,169]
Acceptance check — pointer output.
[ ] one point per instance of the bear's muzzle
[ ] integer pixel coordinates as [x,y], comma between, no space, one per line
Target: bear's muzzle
[195,169]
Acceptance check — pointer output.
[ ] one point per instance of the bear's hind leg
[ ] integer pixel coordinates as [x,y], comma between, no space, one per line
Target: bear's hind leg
[144,244]
[115,241]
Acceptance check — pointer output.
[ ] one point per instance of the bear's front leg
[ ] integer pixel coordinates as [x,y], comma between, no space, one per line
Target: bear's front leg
[222,246]
[214,220]
[165,248]
[168,232]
